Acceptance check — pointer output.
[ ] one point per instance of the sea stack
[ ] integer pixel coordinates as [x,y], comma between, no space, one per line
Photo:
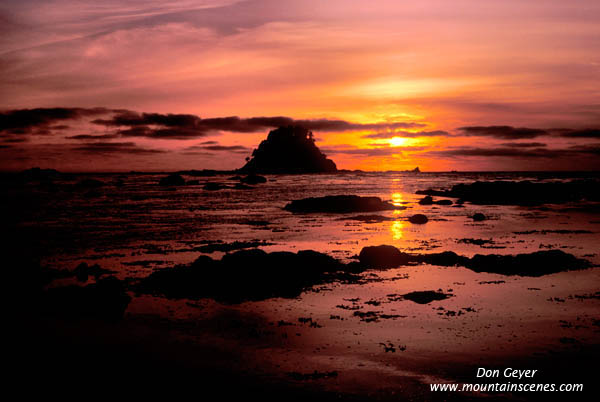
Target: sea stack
[289,150]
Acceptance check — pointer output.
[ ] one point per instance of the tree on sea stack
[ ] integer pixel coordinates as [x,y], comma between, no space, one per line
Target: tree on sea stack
[289,150]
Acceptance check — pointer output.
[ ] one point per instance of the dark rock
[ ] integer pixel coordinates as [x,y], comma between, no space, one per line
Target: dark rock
[83,271]
[444,259]
[212,186]
[339,204]
[105,299]
[478,217]
[443,202]
[524,193]
[192,182]
[425,297]
[236,178]
[534,264]
[172,180]
[428,200]
[240,186]
[289,150]
[254,179]
[415,170]
[383,257]
[38,175]
[418,219]
[245,275]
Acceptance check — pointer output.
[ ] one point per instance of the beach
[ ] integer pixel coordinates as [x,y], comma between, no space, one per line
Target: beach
[354,332]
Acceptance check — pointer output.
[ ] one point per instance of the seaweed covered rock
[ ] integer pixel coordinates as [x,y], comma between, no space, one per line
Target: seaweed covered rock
[172,180]
[253,179]
[534,264]
[479,217]
[428,200]
[425,296]
[245,275]
[418,219]
[524,193]
[214,186]
[444,259]
[339,204]
[289,150]
[383,257]
[538,263]
[37,174]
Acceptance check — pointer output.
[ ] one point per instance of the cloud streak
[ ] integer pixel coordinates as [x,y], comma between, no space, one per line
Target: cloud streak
[502,132]
[116,148]
[181,126]
[40,120]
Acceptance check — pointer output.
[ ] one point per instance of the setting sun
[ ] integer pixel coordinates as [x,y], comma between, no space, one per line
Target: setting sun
[399,141]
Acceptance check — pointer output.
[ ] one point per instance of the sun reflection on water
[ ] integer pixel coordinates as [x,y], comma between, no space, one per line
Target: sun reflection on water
[397,199]
[397,230]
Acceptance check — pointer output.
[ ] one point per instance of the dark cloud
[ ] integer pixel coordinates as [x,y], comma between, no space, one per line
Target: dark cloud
[88,137]
[185,126]
[218,148]
[592,149]
[14,139]
[115,148]
[129,118]
[523,144]
[41,120]
[584,133]
[503,132]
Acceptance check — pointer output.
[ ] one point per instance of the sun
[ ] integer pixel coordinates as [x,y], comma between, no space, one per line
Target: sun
[398,141]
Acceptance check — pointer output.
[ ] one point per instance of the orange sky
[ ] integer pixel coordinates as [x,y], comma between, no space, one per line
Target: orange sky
[436,65]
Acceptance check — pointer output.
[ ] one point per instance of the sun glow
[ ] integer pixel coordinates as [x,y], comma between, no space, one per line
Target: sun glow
[398,141]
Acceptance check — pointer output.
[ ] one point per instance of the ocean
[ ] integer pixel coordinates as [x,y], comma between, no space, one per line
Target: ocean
[360,336]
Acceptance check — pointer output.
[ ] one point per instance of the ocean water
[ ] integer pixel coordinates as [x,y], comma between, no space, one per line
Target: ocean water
[132,219]
[133,226]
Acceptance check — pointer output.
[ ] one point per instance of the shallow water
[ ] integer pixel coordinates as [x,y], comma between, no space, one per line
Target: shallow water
[133,226]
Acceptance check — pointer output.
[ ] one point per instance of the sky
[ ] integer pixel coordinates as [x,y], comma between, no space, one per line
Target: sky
[384,85]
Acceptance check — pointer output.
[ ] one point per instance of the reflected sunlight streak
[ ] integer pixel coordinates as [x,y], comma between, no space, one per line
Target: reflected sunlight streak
[397,230]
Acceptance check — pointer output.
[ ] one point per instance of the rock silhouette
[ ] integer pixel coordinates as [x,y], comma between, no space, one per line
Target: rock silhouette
[339,204]
[383,257]
[172,180]
[425,296]
[428,200]
[478,217]
[538,263]
[418,219]
[245,275]
[524,193]
[253,179]
[289,150]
